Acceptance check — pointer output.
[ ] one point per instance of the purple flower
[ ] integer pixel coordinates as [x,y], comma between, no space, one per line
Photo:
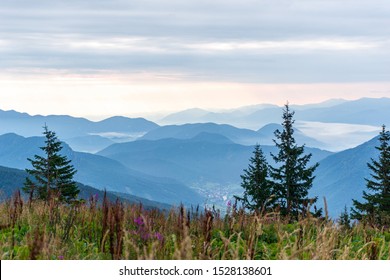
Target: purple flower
[96,196]
[159,236]
[229,203]
[61,257]
[139,221]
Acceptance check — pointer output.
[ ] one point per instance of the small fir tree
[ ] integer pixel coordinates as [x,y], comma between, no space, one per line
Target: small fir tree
[52,174]
[344,219]
[376,205]
[292,178]
[256,184]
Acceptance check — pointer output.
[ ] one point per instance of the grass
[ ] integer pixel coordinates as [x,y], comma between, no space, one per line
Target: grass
[90,231]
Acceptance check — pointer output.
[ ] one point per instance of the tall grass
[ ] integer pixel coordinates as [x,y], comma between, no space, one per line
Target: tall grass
[112,230]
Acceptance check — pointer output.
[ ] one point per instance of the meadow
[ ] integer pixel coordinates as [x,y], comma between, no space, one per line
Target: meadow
[104,230]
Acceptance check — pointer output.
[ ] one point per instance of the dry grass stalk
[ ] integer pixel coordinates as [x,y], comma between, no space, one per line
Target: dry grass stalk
[36,243]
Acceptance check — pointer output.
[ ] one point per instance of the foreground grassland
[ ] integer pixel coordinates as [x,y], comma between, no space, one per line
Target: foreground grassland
[115,231]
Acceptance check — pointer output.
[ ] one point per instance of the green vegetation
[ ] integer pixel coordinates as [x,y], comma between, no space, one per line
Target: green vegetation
[256,184]
[52,175]
[292,178]
[376,208]
[285,186]
[118,231]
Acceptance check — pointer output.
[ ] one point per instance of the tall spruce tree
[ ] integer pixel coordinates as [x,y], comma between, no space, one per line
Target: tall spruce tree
[292,177]
[256,184]
[376,205]
[52,174]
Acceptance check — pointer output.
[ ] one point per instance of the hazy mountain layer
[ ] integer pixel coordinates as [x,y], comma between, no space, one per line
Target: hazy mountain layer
[368,111]
[12,180]
[241,136]
[99,171]
[207,158]
[79,130]
[340,177]
[334,125]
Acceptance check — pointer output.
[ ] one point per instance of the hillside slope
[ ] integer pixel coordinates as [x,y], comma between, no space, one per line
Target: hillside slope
[204,158]
[99,171]
[12,179]
[340,177]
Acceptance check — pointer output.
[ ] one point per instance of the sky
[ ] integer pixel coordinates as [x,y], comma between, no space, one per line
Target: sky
[136,57]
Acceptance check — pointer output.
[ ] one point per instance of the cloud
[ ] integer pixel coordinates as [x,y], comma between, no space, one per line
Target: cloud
[244,41]
[285,46]
[201,18]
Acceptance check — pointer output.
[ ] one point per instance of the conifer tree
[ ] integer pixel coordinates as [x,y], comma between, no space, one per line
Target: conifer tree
[344,219]
[52,174]
[256,184]
[376,205]
[292,178]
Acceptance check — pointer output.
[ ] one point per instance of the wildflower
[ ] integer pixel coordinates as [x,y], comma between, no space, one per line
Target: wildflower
[159,236]
[139,221]
[61,258]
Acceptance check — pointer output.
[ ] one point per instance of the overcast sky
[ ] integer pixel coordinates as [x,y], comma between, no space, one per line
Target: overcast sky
[100,58]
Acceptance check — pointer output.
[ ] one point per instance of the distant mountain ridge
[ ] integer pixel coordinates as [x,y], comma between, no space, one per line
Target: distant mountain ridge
[367,111]
[68,126]
[348,122]
[206,157]
[187,131]
[99,171]
[119,129]
[252,117]
[89,136]
[240,136]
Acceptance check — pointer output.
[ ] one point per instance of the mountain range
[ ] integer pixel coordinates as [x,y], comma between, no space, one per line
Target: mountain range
[207,157]
[202,162]
[335,125]
[367,111]
[83,134]
[356,122]
[263,136]
[211,159]
[99,171]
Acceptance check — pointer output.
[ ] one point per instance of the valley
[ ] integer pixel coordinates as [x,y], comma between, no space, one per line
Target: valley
[196,157]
